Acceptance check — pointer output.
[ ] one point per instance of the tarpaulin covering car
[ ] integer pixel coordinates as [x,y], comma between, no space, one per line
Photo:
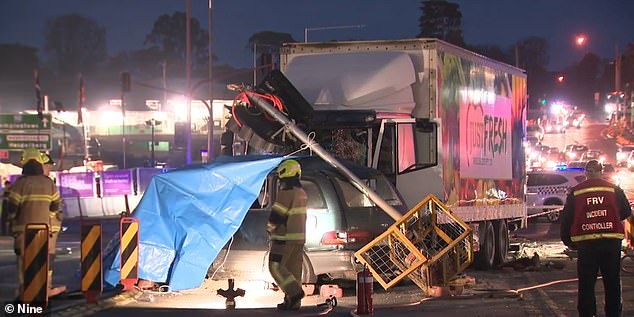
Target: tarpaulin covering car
[186,216]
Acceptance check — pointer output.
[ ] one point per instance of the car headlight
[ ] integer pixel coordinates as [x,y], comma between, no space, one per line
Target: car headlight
[572,154]
[616,179]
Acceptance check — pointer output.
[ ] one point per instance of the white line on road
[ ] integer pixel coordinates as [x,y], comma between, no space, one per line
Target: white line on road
[549,301]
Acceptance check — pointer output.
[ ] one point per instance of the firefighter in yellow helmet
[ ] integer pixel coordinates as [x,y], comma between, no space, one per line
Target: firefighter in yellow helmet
[34,199]
[287,232]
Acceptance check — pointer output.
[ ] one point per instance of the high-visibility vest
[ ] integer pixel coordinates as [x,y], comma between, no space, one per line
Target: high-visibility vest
[596,212]
[288,216]
[35,199]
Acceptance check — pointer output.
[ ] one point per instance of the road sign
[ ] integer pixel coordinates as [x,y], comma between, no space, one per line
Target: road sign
[20,131]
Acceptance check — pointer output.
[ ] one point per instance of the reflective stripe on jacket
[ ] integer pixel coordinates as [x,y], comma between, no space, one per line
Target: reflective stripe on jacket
[35,199]
[596,213]
[288,216]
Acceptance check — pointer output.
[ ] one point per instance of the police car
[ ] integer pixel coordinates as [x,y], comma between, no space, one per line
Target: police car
[547,190]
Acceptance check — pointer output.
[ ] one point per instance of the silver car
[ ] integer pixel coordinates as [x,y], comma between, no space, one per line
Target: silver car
[340,220]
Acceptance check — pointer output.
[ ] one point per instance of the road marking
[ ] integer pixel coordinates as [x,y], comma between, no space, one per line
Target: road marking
[547,300]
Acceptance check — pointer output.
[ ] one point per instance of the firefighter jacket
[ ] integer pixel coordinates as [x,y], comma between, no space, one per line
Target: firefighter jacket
[288,216]
[35,199]
[594,209]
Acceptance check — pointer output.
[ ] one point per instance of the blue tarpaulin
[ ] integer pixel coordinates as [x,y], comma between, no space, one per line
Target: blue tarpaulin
[186,216]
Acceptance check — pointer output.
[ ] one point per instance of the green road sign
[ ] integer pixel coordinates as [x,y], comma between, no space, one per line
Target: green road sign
[25,122]
[21,131]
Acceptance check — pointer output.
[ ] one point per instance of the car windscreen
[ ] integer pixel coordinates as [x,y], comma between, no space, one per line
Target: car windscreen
[353,198]
[538,179]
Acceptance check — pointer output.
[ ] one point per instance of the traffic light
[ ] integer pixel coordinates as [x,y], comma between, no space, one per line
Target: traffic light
[561,78]
[542,101]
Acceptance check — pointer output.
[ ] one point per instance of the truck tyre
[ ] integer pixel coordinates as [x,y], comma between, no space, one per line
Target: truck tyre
[501,241]
[484,258]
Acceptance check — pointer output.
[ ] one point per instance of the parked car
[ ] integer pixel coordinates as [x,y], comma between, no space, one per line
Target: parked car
[547,190]
[630,161]
[594,155]
[622,154]
[574,151]
[535,131]
[577,118]
[555,126]
[340,220]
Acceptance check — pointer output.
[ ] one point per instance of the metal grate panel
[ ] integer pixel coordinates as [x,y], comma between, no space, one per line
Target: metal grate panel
[429,245]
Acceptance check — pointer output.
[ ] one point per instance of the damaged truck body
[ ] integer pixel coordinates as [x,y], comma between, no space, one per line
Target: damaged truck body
[432,117]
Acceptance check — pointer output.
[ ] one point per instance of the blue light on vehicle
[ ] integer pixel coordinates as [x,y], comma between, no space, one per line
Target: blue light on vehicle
[569,169]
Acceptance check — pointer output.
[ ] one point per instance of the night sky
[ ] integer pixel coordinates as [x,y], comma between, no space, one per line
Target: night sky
[499,22]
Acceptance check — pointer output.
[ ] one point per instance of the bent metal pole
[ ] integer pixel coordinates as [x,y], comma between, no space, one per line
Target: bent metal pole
[358,183]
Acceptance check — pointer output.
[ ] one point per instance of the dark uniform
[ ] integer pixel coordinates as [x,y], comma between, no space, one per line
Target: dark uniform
[34,199]
[592,224]
[287,227]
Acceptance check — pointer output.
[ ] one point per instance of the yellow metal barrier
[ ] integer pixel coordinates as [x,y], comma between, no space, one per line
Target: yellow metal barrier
[429,245]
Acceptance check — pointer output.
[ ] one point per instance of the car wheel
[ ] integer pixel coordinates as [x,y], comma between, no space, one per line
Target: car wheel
[308,273]
[484,259]
[553,216]
[501,241]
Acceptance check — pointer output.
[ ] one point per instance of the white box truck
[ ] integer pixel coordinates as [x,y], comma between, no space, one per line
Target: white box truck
[433,117]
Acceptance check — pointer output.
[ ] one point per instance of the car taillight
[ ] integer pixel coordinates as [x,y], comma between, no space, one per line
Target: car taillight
[345,237]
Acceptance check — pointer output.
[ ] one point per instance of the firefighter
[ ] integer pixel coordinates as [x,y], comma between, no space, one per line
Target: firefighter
[287,228]
[34,199]
[6,229]
[592,223]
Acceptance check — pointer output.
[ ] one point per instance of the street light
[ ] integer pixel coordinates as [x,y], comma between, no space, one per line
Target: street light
[358,26]
[581,39]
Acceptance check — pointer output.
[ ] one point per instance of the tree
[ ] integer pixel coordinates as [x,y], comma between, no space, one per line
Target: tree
[17,62]
[75,43]
[169,35]
[532,53]
[441,20]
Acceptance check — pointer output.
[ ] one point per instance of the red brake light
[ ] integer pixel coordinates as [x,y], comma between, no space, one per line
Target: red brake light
[345,237]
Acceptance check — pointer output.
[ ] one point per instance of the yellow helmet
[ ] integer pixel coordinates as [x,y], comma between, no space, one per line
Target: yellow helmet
[31,154]
[46,159]
[288,169]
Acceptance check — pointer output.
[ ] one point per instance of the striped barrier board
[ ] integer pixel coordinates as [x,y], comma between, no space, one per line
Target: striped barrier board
[129,237]
[35,265]
[91,262]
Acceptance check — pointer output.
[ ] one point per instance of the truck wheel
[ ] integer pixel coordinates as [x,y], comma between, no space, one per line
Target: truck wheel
[501,241]
[485,257]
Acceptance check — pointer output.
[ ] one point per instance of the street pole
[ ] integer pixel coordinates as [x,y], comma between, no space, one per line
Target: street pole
[123,140]
[188,70]
[153,123]
[617,69]
[210,133]
[255,63]
[164,70]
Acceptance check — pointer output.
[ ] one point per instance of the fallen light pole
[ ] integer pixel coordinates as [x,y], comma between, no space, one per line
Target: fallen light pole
[315,147]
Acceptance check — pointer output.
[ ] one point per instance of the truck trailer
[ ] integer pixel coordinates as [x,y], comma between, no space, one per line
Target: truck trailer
[433,117]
